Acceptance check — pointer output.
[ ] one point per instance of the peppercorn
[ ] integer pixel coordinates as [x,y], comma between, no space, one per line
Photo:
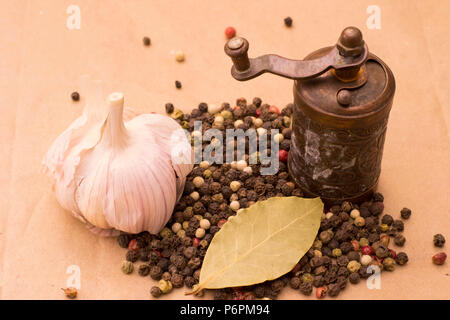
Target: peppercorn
[165,286]
[321,292]
[230,32]
[306,288]
[155,292]
[288,22]
[353,256]
[439,258]
[144,270]
[364,212]
[374,237]
[388,264]
[127,267]
[399,240]
[354,213]
[189,282]
[359,222]
[333,290]
[387,219]
[336,252]
[295,282]
[405,213]
[398,225]
[123,240]
[376,208]
[384,240]
[354,277]
[363,242]
[177,84]
[353,266]
[75,96]
[326,236]
[307,277]
[315,262]
[346,247]
[438,240]
[342,261]
[166,276]
[402,258]
[70,292]
[382,252]
[156,272]
[366,260]
[132,255]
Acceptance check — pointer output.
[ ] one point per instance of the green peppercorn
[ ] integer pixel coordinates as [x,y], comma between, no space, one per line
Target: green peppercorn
[336,252]
[127,267]
[165,286]
[363,242]
[307,277]
[353,266]
[384,227]
[165,232]
[317,244]
[388,264]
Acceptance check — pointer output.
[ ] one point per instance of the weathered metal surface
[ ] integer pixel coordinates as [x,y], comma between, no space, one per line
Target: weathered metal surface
[342,99]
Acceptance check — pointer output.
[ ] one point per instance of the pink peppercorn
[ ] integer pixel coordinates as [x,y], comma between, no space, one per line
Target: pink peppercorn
[439,258]
[367,250]
[132,245]
[230,32]
[283,155]
[258,112]
[274,109]
[393,254]
[355,244]
[321,292]
[221,223]
[196,242]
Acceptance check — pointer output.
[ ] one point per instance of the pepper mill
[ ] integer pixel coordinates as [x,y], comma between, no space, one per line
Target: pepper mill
[342,98]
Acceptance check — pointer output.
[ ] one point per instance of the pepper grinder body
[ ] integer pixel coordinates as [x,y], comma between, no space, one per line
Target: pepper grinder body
[336,150]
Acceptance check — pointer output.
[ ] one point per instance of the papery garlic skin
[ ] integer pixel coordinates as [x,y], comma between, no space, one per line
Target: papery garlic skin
[116,173]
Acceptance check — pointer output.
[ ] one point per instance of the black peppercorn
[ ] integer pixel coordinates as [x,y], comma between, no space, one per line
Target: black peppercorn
[438,240]
[398,225]
[156,272]
[221,294]
[169,108]
[306,288]
[295,282]
[387,219]
[333,290]
[178,84]
[144,270]
[123,240]
[155,292]
[132,255]
[146,41]
[378,197]
[353,255]
[376,208]
[354,277]
[288,22]
[203,107]
[399,240]
[163,264]
[75,96]
[318,281]
[405,213]
[402,258]
[189,282]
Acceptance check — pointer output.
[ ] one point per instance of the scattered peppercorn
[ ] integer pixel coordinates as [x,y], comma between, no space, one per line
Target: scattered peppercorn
[169,108]
[288,22]
[155,292]
[354,277]
[75,96]
[438,240]
[70,292]
[230,32]
[144,270]
[123,240]
[401,259]
[146,41]
[127,267]
[306,288]
[405,213]
[399,240]
[177,84]
[439,258]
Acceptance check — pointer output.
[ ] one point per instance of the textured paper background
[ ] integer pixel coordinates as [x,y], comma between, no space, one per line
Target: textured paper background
[41,61]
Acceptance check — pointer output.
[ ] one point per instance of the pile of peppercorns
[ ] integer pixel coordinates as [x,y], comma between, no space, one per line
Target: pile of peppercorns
[351,237]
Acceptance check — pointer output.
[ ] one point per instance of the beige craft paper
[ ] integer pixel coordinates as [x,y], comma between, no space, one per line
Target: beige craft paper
[41,61]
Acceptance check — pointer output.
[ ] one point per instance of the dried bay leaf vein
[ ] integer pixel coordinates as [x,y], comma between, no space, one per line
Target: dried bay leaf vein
[272,229]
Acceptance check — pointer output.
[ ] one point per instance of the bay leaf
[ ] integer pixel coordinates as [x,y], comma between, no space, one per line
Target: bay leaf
[261,243]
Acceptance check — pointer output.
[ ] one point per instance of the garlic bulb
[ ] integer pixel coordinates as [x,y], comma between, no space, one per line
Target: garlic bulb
[116,171]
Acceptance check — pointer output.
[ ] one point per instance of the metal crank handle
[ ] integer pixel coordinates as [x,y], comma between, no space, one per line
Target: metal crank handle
[350,53]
